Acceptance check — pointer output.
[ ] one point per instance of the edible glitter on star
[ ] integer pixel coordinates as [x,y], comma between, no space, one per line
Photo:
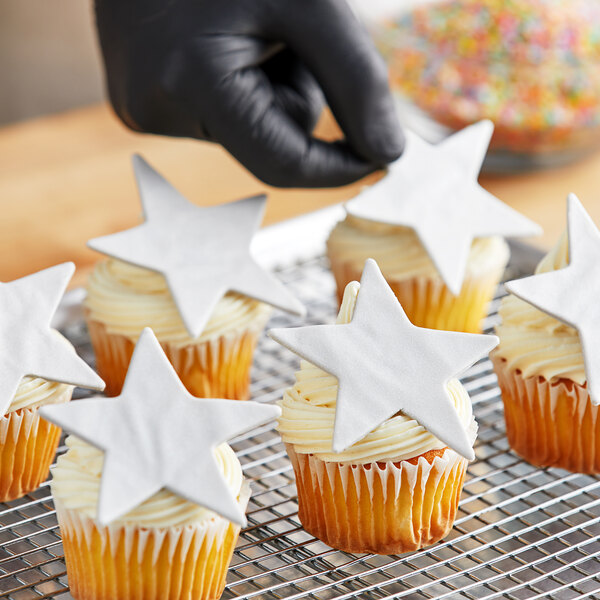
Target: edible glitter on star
[385,364]
[157,435]
[433,189]
[28,343]
[572,294]
[202,252]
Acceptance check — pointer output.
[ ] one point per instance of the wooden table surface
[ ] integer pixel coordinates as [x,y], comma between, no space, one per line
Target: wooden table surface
[67,178]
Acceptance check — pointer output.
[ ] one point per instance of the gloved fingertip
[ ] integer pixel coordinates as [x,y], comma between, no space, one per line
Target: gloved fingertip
[389,147]
[382,140]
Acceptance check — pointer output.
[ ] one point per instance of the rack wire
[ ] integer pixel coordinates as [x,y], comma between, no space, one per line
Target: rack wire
[521,532]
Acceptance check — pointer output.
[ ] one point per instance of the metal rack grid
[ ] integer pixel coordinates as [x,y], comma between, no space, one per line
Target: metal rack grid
[521,532]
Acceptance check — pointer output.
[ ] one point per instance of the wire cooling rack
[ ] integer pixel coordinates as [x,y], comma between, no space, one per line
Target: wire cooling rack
[520,533]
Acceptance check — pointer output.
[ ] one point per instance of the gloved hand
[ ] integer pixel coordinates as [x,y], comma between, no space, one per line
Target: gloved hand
[248,74]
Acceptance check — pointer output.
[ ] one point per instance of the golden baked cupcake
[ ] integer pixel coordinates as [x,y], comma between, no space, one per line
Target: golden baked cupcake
[551,411]
[28,442]
[409,270]
[123,299]
[436,234]
[166,548]
[186,272]
[149,497]
[38,367]
[396,488]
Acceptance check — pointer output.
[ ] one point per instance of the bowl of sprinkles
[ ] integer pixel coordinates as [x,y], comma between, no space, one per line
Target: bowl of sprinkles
[530,66]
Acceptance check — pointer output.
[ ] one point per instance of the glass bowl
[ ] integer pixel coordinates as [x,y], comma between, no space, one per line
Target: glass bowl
[530,66]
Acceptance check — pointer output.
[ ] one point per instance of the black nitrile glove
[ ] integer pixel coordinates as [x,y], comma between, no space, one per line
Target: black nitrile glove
[244,73]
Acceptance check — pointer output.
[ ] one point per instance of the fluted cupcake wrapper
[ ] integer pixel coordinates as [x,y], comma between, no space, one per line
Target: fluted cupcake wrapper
[214,368]
[428,302]
[27,447]
[382,508]
[549,423]
[123,562]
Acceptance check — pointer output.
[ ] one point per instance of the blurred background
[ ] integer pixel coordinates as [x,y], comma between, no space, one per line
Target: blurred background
[531,66]
[49,61]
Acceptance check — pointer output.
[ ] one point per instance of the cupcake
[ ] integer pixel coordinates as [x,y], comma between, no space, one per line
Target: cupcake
[396,489]
[123,299]
[552,419]
[437,234]
[186,272]
[149,497]
[28,442]
[166,548]
[409,270]
[39,368]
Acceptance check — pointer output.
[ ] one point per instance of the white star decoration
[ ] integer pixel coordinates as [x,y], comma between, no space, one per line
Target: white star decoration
[434,190]
[572,294]
[203,252]
[28,345]
[157,435]
[385,364]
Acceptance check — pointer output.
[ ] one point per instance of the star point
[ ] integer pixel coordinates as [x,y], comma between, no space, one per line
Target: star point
[433,189]
[571,294]
[157,435]
[203,252]
[385,364]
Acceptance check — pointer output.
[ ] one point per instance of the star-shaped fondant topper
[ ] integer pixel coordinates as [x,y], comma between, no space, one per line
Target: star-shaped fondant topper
[385,364]
[203,252]
[157,435]
[28,344]
[433,189]
[572,294]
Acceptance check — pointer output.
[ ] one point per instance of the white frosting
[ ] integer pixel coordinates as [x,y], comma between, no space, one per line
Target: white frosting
[308,415]
[126,299]
[536,343]
[76,484]
[400,254]
[34,392]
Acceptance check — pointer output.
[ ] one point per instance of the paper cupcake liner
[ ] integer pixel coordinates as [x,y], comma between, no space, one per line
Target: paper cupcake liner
[549,423]
[27,447]
[428,302]
[122,562]
[218,368]
[381,508]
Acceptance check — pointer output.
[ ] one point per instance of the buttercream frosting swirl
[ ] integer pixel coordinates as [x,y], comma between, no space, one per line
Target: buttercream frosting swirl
[34,392]
[308,414]
[126,298]
[399,252]
[536,343]
[76,484]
